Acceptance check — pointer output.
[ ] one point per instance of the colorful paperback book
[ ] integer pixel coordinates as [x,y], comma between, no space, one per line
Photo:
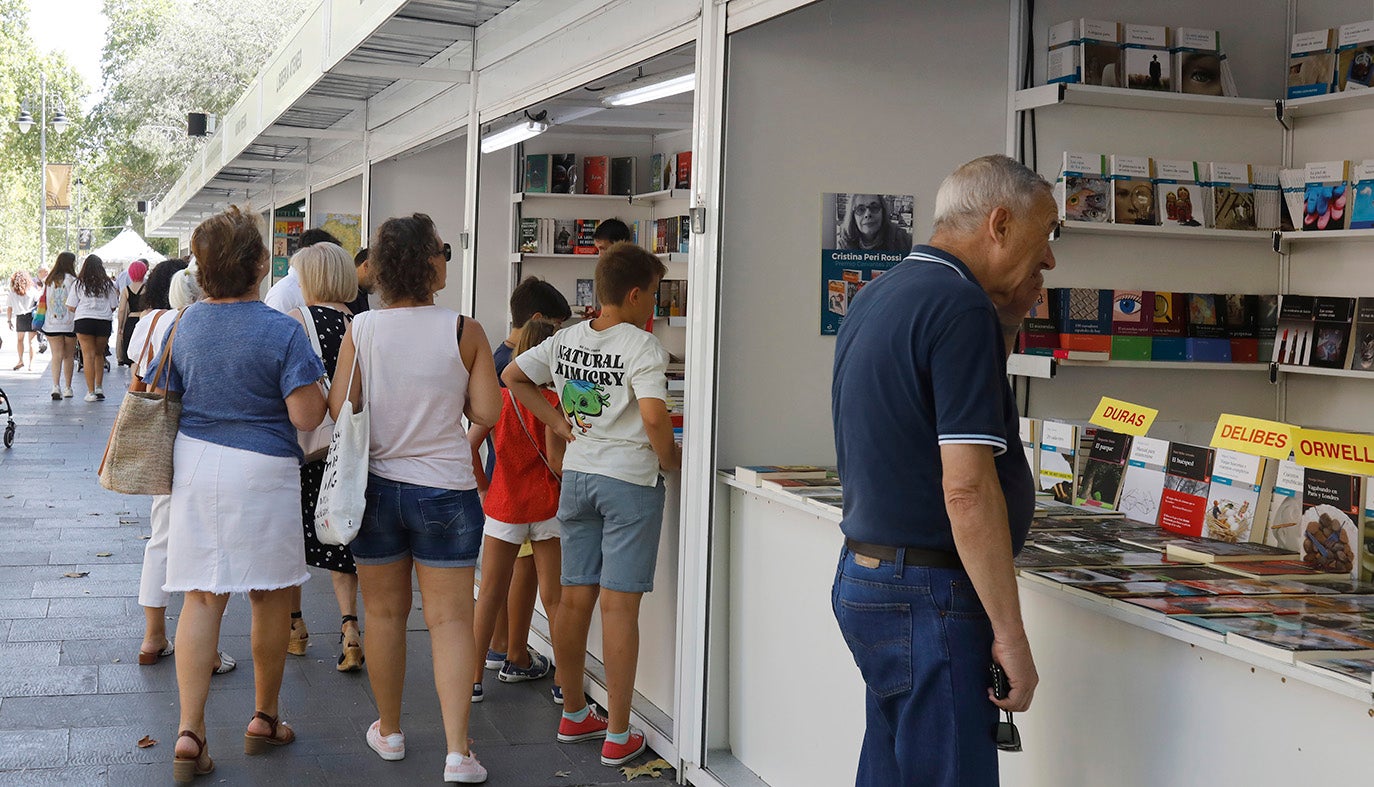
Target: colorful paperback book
[1291,637]
[1142,484]
[1234,503]
[1293,342]
[563,173]
[1207,337]
[1040,329]
[1279,569]
[1311,63]
[1268,196]
[1100,483]
[1198,63]
[791,484]
[1100,45]
[1180,194]
[656,169]
[1085,319]
[1187,480]
[537,168]
[1355,56]
[1268,322]
[586,293]
[1358,671]
[1333,319]
[1331,514]
[1133,190]
[757,474]
[1084,191]
[1293,186]
[1285,507]
[1129,589]
[1207,550]
[1170,339]
[1058,458]
[1324,196]
[1233,197]
[1362,195]
[1146,57]
[623,175]
[585,237]
[683,164]
[596,175]
[564,236]
[1222,605]
[529,236]
[1133,317]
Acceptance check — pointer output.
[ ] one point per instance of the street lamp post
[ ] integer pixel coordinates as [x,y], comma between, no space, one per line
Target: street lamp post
[59,124]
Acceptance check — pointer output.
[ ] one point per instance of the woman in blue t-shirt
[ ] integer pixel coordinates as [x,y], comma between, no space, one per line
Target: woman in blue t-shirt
[248,379]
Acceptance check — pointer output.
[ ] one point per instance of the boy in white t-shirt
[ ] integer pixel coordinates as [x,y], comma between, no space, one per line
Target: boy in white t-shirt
[610,376]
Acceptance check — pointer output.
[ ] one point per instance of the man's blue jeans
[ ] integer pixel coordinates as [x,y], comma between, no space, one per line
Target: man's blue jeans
[924,645]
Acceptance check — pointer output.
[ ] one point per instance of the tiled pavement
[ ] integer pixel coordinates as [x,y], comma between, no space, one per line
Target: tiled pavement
[74,702]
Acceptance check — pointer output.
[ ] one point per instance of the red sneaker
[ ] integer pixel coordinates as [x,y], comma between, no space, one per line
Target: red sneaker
[594,726]
[621,753]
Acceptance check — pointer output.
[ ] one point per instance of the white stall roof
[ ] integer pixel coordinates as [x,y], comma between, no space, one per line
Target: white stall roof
[126,247]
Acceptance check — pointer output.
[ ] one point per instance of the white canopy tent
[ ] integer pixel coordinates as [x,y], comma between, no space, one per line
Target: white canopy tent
[126,247]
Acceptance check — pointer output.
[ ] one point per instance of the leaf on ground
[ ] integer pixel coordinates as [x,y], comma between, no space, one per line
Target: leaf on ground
[146,742]
[144,538]
[103,554]
[652,768]
[76,574]
[562,774]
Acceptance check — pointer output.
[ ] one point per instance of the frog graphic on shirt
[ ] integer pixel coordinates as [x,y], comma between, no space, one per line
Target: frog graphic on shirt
[583,400]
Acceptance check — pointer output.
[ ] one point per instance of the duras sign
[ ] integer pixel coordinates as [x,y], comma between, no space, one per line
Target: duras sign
[1119,416]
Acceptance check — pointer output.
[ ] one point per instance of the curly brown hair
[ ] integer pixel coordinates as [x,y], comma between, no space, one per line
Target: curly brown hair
[229,253]
[399,257]
[19,283]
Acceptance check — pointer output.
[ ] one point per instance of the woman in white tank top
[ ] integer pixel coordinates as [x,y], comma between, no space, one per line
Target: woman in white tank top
[422,369]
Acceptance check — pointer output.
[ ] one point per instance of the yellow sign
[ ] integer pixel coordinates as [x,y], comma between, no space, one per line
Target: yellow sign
[1339,452]
[1253,436]
[57,186]
[1123,417]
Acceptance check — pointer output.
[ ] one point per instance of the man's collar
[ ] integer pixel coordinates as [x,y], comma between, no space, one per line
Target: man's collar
[943,257]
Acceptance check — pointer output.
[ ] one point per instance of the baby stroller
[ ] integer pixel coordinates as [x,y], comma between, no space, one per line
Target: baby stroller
[81,362]
[8,412]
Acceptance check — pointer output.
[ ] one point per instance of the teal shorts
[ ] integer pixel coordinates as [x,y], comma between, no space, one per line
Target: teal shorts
[610,532]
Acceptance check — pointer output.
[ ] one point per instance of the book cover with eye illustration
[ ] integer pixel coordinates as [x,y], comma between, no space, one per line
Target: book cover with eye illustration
[1311,63]
[1180,193]
[1362,338]
[1198,63]
[1333,317]
[1085,319]
[1330,523]
[1234,503]
[1099,485]
[1355,56]
[1133,317]
[1207,338]
[1170,342]
[1187,480]
[1293,340]
[1233,197]
[1324,196]
[1242,327]
[1362,195]
[1083,189]
[1133,190]
[1146,57]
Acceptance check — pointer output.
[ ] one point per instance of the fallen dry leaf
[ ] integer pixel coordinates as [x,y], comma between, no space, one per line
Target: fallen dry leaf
[562,774]
[651,768]
[103,554]
[76,574]
[146,742]
[144,538]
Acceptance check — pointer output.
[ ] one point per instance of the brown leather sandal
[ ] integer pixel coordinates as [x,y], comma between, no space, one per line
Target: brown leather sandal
[299,637]
[281,735]
[186,769]
[351,658]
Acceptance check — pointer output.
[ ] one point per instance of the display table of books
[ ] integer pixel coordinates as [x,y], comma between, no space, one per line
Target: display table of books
[1164,658]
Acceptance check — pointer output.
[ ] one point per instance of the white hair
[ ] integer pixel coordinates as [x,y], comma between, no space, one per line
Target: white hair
[977,188]
[327,273]
[184,290]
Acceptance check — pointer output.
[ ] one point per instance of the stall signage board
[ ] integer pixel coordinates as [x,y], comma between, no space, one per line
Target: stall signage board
[243,123]
[1340,452]
[1253,436]
[296,66]
[1124,417]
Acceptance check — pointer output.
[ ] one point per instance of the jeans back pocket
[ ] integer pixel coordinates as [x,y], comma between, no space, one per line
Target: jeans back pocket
[879,637]
[449,513]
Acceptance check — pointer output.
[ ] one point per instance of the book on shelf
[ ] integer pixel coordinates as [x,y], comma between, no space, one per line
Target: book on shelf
[1333,320]
[529,236]
[671,298]
[1029,432]
[1133,317]
[1083,191]
[563,173]
[1367,534]
[1361,200]
[1234,501]
[1357,671]
[1142,484]
[1267,322]
[1240,316]
[1355,56]
[1233,196]
[1169,341]
[1293,186]
[1133,190]
[538,167]
[1063,61]
[1047,506]
[1279,569]
[1209,551]
[682,164]
[827,503]
[1293,341]
[623,175]
[1146,58]
[1311,63]
[1199,65]
[1324,196]
[596,175]
[1058,458]
[1207,337]
[1085,319]
[586,293]
[1285,507]
[564,236]
[793,484]
[1100,52]
[1332,509]
[585,236]
[1040,329]
[1362,337]
[1187,480]
[1100,480]
[1292,638]
[1268,196]
[657,166]
[1180,193]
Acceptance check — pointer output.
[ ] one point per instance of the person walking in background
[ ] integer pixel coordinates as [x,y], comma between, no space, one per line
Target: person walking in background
[521,505]
[286,295]
[153,330]
[421,369]
[361,303]
[131,307]
[60,323]
[93,299]
[328,281]
[248,380]
[19,307]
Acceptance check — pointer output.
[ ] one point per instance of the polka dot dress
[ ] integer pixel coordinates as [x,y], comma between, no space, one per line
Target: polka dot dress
[330,325]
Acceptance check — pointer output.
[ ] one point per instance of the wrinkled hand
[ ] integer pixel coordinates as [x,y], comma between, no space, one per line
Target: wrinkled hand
[1016,661]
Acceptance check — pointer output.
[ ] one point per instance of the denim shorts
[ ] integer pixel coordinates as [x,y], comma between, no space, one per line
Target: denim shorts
[610,532]
[440,528]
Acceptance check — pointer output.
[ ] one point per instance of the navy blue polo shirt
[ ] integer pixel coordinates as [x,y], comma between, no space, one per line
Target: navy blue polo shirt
[920,362]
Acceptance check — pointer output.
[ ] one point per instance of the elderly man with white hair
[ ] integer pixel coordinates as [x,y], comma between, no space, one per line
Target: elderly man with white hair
[936,504]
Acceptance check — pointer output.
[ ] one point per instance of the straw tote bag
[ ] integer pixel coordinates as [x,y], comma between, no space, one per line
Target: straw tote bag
[138,456]
[339,508]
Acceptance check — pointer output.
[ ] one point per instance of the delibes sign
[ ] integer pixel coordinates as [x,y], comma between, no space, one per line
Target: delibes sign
[1253,436]
[1339,452]
[1119,416]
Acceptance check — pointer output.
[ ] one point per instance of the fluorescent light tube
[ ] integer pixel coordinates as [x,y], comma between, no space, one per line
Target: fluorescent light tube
[682,83]
[513,135]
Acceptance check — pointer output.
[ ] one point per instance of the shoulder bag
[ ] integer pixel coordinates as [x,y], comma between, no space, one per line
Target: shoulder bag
[315,443]
[524,428]
[138,456]
[339,508]
[40,312]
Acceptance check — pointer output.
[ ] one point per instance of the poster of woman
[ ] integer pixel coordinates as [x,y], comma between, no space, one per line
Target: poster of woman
[862,235]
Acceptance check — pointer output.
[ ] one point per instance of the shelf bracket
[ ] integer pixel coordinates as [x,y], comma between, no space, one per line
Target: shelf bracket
[1273,373]
[1278,241]
[1279,115]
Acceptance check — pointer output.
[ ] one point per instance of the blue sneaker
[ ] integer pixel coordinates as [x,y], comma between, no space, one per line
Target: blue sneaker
[477,692]
[538,668]
[557,692]
[494,659]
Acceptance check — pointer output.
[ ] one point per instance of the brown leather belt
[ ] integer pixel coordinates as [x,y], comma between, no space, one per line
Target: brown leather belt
[929,558]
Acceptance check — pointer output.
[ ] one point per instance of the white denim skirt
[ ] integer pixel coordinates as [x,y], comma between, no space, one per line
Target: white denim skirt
[235,520]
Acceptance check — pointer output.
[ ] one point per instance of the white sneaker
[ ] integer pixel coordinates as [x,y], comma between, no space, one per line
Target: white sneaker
[99,392]
[389,747]
[56,394]
[464,770]
[91,397]
[67,392]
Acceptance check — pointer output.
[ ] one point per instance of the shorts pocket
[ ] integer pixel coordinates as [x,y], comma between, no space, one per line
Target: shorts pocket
[963,601]
[449,513]
[879,637]
[186,458]
[259,481]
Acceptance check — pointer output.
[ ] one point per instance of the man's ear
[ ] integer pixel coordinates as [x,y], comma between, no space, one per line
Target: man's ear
[999,225]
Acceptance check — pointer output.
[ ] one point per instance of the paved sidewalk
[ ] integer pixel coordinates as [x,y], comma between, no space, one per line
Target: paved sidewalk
[74,702]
